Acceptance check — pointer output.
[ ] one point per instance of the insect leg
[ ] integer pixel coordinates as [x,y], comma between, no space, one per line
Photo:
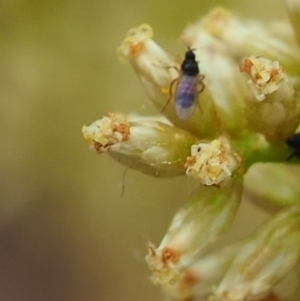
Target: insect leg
[291,156]
[168,67]
[174,67]
[201,87]
[170,93]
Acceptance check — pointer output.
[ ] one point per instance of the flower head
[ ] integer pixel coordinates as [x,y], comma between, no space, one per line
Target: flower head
[104,133]
[272,105]
[141,144]
[240,119]
[193,229]
[242,37]
[264,260]
[212,163]
[157,69]
[266,76]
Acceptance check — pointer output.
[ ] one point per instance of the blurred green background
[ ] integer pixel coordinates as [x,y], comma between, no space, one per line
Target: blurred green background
[65,231]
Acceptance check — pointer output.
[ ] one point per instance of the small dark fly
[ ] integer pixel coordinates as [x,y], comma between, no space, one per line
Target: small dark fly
[294,143]
[189,85]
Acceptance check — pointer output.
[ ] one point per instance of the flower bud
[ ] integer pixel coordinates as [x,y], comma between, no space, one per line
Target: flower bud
[197,280]
[159,73]
[248,37]
[209,213]
[222,77]
[274,184]
[288,288]
[293,8]
[152,147]
[266,257]
[272,107]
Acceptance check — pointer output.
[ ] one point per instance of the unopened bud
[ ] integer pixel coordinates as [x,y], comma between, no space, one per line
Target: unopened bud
[152,147]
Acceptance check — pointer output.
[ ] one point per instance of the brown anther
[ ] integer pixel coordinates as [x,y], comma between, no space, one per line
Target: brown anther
[119,126]
[122,128]
[270,297]
[255,77]
[274,73]
[190,161]
[98,146]
[246,66]
[136,49]
[189,279]
[169,255]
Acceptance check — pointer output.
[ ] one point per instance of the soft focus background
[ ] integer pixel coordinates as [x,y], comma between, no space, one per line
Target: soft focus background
[65,231]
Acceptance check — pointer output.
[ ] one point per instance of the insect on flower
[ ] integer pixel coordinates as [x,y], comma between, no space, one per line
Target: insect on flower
[294,143]
[189,85]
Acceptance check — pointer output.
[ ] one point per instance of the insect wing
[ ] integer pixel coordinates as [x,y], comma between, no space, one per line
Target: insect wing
[186,96]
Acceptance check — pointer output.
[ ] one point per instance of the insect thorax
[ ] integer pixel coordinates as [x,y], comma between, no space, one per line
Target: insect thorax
[190,67]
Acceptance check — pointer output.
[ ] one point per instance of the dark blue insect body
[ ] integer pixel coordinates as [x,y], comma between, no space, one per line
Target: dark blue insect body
[186,95]
[189,85]
[294,143]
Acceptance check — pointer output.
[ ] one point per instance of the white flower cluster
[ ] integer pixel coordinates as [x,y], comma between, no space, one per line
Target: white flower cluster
[212,162]
[106,132]
[266,76]
[251,119]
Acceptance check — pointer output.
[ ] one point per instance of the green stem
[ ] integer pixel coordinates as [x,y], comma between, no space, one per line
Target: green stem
[254,148]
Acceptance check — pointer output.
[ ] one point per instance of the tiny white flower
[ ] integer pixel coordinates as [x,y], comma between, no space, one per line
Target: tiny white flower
[222,77]
[265,259]
[194,227]
[104,133]
[198,279]
[266,76]
[159,73]
[141,144]
[212,163]
[153,65]
[272,106]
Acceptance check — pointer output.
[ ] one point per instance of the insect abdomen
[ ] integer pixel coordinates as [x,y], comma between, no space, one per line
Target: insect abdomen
[186,96]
